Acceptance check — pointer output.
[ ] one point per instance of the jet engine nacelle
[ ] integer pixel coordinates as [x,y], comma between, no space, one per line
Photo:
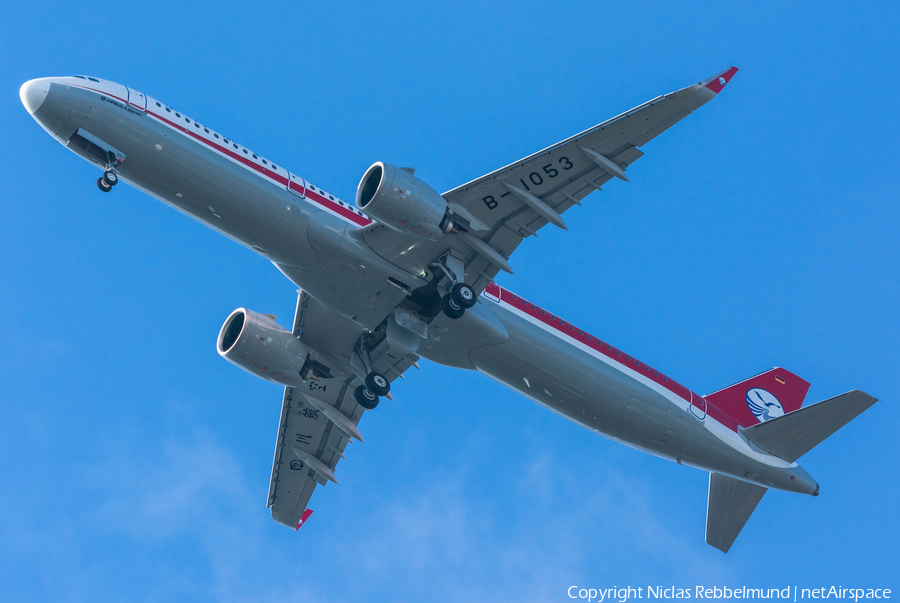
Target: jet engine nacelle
[399,200]
[264,348]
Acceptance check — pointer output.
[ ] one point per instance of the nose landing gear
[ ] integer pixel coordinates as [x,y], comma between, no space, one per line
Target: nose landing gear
[107,181]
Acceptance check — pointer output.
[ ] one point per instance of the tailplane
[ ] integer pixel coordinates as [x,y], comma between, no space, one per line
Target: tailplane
[791,436]
[761,398]
[732,501]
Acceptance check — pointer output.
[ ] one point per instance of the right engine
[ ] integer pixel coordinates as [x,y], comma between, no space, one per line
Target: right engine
[262,347]
[402,202]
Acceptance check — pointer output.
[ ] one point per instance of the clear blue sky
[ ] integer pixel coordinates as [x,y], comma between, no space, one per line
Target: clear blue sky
[761,231]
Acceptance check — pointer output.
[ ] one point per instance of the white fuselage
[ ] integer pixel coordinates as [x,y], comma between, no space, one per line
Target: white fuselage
[309,235]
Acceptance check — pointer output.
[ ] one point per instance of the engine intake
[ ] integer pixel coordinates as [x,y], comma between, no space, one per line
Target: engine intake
[262,347]
[399,200]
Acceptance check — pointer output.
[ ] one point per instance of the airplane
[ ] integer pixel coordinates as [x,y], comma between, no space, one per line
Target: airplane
[405,273]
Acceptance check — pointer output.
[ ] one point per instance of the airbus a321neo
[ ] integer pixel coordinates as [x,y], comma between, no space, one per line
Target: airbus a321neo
[405,273]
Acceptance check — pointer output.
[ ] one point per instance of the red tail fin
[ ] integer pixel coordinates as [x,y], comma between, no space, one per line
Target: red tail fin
[760,398]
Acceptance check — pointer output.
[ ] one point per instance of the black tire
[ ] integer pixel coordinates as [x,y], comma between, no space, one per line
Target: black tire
[111,178]
[451,308]
[103,186]
[377,384]
[365,398]
[463,295]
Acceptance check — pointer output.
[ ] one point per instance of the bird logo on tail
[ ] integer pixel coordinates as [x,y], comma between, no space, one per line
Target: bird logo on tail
[763,404]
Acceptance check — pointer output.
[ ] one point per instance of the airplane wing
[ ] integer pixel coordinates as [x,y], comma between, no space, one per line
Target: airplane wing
[319,418]
[497,211]
[494,214]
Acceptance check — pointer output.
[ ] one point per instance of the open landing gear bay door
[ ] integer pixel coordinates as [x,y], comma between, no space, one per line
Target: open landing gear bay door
[320,417]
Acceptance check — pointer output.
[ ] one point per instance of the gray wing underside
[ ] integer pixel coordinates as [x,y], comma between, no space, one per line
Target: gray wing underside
[304,429]
[559,177]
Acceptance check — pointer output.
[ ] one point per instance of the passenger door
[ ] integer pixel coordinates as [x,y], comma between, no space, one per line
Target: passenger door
[137,99]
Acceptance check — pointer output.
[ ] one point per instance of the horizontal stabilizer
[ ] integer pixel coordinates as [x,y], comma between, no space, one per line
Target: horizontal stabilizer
[794,434]
[730,504]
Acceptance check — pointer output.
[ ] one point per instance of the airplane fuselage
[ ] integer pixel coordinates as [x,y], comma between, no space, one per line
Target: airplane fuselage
[314,238]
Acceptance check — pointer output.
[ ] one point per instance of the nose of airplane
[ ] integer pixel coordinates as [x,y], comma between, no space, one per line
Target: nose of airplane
[33,93]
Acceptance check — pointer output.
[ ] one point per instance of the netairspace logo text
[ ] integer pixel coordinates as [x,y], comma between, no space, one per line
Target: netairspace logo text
[791,593]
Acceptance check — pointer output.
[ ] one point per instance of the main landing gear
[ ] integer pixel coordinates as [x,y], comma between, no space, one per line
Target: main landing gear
[368,395]
[374,385]
[461,296]
[460,299]
[107,181]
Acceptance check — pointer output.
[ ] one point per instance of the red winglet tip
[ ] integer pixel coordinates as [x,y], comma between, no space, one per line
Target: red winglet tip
[303,518]
[717,83]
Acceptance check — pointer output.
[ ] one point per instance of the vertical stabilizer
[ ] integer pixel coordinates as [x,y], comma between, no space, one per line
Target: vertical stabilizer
[761,398]
[730,504]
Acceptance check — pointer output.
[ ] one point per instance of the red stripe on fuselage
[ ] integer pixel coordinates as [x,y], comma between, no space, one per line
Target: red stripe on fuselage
[573,332]
[308,193]
[313,196]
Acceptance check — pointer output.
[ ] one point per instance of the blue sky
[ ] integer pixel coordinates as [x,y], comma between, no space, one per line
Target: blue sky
[759,232]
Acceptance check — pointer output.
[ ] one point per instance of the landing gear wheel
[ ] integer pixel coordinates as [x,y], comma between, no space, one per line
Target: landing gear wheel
[463,295]
[451,308]
[365,398]
[377,384]
[103,185]
[111,178]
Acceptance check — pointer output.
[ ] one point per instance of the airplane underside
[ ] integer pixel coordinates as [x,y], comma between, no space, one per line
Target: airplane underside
[406,273]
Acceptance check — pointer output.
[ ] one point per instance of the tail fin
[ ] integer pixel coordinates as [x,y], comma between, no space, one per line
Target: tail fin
[761,398]
[730,504]
[793,435]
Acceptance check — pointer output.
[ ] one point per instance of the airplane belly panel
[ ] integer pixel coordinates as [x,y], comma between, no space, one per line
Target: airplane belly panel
[572,383]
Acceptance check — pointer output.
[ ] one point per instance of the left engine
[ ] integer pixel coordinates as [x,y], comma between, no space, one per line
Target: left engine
[262,347]
[399,200]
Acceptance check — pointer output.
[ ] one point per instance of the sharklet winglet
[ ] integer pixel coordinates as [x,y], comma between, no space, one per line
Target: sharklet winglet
[303,518]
